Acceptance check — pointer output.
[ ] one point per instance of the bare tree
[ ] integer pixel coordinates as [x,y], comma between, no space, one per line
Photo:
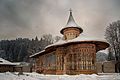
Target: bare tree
[113,37]
[110,54]
[57,38]
[48,38]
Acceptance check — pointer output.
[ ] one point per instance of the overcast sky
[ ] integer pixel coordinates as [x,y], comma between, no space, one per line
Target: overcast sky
[30,18]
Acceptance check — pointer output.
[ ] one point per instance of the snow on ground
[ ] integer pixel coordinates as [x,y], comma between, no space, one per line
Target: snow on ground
[36,76]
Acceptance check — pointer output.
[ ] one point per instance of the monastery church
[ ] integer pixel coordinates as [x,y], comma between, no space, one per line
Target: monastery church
[71,55]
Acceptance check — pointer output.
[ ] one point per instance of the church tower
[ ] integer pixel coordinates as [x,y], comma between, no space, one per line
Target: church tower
[71,30]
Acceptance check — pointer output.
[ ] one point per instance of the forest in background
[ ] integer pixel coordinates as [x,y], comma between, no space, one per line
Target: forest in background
[20,49]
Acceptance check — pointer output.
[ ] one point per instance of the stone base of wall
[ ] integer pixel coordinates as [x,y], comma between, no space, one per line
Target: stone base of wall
[69,72]
[49,72]
[74,72]
[5,68]
[106,67]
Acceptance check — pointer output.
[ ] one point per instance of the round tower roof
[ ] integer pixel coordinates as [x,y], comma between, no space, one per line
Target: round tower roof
[71,24]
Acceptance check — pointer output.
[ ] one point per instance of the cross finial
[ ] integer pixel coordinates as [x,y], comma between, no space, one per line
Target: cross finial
[70,10]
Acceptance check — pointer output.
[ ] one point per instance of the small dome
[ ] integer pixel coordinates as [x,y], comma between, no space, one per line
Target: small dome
[71,24]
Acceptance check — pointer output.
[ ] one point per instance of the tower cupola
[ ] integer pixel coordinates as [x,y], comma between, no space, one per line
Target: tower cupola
[71,30]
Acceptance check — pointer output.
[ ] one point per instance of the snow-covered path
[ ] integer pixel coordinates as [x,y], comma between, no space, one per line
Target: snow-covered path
[35,76]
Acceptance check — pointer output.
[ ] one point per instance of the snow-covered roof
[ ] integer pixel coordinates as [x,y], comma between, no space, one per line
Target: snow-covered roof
[37,53]
[71,22]
[5,62]
[80,38]
[19,64]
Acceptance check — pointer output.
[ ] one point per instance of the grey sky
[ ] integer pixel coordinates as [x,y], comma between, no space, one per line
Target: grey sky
[30,18]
